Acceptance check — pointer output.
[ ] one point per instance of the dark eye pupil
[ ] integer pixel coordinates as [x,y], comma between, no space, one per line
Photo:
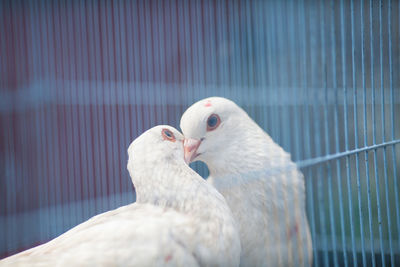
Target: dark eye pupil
[212,121]
[168,133]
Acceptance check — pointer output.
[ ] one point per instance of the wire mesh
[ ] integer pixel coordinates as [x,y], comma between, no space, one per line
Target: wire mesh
[79,80]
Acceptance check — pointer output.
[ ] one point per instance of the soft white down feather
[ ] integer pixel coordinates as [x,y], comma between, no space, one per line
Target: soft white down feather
[178,219]
[261,184]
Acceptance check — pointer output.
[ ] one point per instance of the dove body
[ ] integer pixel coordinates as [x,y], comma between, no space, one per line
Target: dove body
[178,219]
[260,183]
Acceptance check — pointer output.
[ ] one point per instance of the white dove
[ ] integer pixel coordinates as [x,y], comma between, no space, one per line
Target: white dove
[178,219]
[260,183]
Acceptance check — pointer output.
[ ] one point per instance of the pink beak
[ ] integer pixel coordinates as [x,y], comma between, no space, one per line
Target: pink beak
[190,147]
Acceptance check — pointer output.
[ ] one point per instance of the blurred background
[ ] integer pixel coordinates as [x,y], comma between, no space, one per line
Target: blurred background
[80,80]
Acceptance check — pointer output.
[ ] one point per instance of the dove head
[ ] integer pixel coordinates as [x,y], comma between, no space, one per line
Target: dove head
[152,150]
[215,130]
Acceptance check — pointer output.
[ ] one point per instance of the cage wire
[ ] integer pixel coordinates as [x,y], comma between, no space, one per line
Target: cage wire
[80,80]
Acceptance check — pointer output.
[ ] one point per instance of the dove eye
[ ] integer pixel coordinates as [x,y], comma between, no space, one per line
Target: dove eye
[213,122]
[168,135]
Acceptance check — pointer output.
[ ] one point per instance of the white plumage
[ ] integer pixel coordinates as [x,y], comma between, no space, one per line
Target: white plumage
[178,219]
[260,183]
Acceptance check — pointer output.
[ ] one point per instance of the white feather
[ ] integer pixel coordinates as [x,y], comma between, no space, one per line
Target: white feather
[178,220]
[260,183]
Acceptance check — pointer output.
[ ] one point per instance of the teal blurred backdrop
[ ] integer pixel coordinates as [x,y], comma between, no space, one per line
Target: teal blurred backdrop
[79,80]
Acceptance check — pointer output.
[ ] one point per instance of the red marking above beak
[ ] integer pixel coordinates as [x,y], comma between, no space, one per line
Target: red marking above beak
[208,103]
[190,147]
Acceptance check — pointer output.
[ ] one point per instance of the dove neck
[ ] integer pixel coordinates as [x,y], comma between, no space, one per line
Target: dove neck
[253,151]
[174,185]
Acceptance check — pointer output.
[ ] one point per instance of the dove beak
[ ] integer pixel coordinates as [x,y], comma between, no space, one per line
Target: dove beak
[190,147]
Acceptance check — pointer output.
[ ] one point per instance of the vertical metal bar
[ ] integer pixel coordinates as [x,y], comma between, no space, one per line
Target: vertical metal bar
[228,36]
[15,134]
[223,38]
[181,57]
[249,52]
[338,165]
[43,42]
[111,114]
[205,67]
[38,74]
[292,53]
[9,168]
[273,86]
[285,100]
[149,62]
[165,53]
[212,43]
[295,249]
[234,73]
[77,155]
[202,46]
[242,47]
[119,105]
[125,57]
[20,115]
[169,55]
[156,64]
[17,131]
[317,135]
[346,130]
[86,58]
[54,157]
[296,110]
[105,117]
[76,70]
[189,34]
[281,70]
[304,82]
[174,43]
[162,59]
[94,66]
[270,79]
[384,136]
[74,149]
[11,185]
[99,66]
[306,128]
[184,20]
[295,253]
[326,132]
[137,66]
[184,44]
[321,207]
[355,110]
[130,75]
[8,173]
[193,53]
[365,129]
[23,76]
[374,131]
[262,60]
[63,147]
[260,11]
[95,47]
[274,75]
[392,120]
